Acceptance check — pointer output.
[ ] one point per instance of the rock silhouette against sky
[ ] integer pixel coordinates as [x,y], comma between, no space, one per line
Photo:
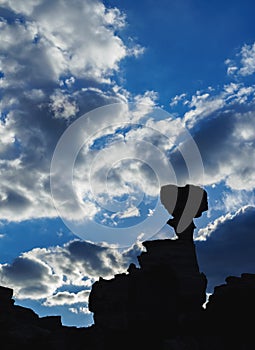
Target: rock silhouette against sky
[156,305]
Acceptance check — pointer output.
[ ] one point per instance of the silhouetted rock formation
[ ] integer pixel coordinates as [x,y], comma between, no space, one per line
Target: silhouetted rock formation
[231,303]
[22,328]
[165,295]
[162,298]
[184,204]
[158,305]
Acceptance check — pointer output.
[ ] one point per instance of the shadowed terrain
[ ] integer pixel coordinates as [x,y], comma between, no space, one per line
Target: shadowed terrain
[156,305]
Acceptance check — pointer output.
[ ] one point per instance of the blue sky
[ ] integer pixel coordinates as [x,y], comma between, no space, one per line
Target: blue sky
[182,67]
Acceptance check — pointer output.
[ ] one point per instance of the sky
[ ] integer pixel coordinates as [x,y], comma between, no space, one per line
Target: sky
[101,103]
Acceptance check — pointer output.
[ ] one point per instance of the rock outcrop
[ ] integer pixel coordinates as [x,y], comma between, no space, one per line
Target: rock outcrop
[231,303]
[156,305]
[168,280]
[162,298]
[22,328]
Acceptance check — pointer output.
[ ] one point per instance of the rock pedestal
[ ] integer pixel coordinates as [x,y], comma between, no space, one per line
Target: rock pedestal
[165,293]
[163,297]
[179,261]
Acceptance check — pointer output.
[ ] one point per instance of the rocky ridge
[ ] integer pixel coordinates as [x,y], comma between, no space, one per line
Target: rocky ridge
[156,305]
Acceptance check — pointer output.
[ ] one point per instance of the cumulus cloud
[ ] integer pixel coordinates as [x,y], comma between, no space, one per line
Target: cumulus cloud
[229,246]
[56,63]
[73,39]
[222,126]
[53,70]
[48,273]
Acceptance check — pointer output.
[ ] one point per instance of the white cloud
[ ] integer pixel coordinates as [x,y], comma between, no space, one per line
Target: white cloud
[224,134]
[244,63]
[80,39]
[7,135]
[231,67]
[51,72]
[24,7]
[237,199]
[136,50]
[175,100]
[201,106]
[52,67]
[79,310]
[62,106]
[130,212]
[204,105]
[247,60]
[147,99]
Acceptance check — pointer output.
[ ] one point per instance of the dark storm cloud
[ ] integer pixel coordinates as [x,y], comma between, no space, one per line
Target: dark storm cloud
[230,248]
[226,141]
[23,269]
[14,200]
[40,272]
[93,257]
